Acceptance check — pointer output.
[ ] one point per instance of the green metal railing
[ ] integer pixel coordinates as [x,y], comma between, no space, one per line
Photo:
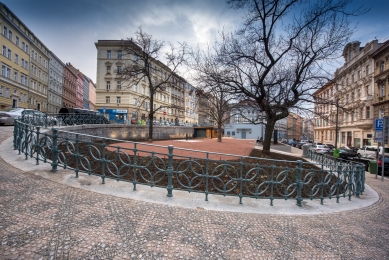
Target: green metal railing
[194,171]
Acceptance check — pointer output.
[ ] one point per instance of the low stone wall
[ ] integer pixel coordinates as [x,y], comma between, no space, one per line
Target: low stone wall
[131,132]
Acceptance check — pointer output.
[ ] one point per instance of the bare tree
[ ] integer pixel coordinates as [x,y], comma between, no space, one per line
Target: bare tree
[146,67]
[218,104]
[277,58]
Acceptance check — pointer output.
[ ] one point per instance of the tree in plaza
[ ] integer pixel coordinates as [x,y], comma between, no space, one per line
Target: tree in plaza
[217,103]
[154,64]
[276,59]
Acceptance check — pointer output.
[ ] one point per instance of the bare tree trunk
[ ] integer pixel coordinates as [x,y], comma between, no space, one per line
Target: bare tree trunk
[151,119]
[219,133]
[268,134]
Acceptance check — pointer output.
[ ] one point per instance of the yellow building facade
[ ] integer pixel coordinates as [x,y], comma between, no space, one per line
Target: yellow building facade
[14,62]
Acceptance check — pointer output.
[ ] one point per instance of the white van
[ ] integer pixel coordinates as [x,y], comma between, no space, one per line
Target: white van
[369,151]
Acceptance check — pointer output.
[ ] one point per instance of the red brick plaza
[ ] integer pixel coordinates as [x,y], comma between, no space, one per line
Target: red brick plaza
[240,147]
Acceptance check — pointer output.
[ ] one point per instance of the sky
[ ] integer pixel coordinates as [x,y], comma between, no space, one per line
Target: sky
[70,28]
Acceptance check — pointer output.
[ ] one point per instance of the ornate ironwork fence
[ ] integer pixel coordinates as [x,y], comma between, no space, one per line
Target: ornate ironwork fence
[198,171]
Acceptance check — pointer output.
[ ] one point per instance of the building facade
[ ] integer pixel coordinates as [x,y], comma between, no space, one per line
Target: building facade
[346,103]
[85,92]
[381,81]
[69,87]
[92,95]
[15,60]
[55,91]
[124,101]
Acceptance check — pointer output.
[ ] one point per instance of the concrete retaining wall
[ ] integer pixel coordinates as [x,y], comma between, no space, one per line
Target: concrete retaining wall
[131,132]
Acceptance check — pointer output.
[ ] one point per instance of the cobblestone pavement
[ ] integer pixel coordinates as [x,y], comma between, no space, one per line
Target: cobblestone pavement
[40,219]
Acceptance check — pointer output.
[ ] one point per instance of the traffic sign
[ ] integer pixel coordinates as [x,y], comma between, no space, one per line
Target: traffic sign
[379,124]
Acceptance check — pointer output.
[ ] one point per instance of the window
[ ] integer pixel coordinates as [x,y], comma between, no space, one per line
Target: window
[16,76]
[117,100]
[135,101]
[5,31]
[119,85]
[367,112]
[343,137]
[107,100]
[382,66]
[7,94]
[135,57]
[143,90]
[2,91]
[16,58]
[109,54]
[119,54]
[9,54]
[367,70]
[108,85]
[26,49]
[23,79]
[382,90]
[119,70]
[4,51]
[359,74]
[135,88]
[17,41]
[10,35]
[6,71]
[108,69]
[352,78]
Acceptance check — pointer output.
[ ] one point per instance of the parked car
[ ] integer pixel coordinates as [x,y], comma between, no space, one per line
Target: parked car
[369,151]
[319,148]
[386,165]
[8,116]
[330,146]
[290,142]
[38,118]
[344,153]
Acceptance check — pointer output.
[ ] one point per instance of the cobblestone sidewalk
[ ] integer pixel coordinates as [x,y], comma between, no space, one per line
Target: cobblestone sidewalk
[40,219]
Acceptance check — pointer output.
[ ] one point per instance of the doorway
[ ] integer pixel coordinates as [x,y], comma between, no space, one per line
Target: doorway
[243,135]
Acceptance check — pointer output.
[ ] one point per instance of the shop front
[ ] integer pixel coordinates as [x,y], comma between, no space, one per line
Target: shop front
[115,115]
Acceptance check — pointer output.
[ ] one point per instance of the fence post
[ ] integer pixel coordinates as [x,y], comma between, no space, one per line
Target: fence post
[299,183]
[16,126]
[37,150]
[170,172]
[54,163]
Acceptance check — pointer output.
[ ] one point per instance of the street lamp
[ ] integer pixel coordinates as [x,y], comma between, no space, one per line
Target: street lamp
[337,121]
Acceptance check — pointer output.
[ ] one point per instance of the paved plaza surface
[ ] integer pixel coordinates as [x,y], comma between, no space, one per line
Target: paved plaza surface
[43,219]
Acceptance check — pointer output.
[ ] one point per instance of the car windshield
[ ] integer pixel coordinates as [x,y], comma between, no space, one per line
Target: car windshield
[32,112]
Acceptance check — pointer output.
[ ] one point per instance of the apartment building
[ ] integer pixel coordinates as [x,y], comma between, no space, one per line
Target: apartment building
[126,100]
[15,60]
[55,91]
[85,92]
[69,87]
[345,105]
[381,81]
[79,85]
[39,73]
[92,95]
[294,126]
